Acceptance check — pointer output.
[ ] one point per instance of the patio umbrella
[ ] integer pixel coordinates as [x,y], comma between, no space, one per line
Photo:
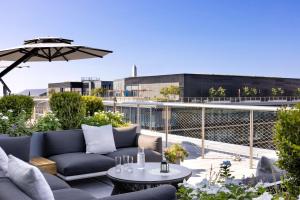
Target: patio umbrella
[47,49]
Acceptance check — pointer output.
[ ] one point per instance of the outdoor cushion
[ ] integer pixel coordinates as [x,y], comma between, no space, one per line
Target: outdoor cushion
[9,191]
[3,163]
[66,141]
[17,146]
[267,171]
[151,156]
[150,142]
[125,136]
[71,164]
[29,179]
[54,182]
[99,139]
[164,192]
[72,194]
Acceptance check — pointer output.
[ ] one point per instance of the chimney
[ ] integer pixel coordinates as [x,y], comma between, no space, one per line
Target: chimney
[134,71]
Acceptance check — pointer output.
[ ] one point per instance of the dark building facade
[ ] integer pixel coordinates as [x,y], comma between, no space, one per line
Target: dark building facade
[198,85]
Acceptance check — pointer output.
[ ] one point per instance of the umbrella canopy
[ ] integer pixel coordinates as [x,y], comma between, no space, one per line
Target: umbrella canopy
[46,49]
[51,49]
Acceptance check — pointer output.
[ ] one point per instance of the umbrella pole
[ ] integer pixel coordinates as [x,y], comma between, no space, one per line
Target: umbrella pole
[5,88]
[17,62]
[12,66]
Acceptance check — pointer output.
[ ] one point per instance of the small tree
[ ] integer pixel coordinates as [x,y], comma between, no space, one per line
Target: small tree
[220,92]
[212,92]
[277,91]
[99,92]
[298,92]
[171,90]
[248,92]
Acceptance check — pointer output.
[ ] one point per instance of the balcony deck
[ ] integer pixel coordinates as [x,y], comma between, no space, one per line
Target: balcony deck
[102,187]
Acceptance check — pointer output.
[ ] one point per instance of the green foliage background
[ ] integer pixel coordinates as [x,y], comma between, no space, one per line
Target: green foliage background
[17,103]
[287,139]
[93,104]
[68,108]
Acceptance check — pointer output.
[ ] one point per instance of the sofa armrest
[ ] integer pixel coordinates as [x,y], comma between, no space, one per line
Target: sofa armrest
[165,192]
[150,142]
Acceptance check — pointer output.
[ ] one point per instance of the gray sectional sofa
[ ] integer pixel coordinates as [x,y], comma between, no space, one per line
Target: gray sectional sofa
[67,149]
[20,147]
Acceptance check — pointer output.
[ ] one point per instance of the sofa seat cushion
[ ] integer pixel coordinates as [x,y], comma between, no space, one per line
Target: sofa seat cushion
[54,182]
[71,164]
[72,194]
[150,155]
[9,191]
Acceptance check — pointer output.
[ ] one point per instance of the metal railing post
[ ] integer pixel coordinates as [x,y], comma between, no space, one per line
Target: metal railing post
[150,119]
[167,124]
[203,132]
[138,115]
[251,139]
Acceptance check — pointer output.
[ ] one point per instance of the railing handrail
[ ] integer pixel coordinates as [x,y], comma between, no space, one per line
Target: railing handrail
[195,105]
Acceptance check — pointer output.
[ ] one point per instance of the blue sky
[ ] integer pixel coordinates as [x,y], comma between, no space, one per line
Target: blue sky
[254,37]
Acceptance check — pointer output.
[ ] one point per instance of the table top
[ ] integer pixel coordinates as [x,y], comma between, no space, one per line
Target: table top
[150,174]
[41,161]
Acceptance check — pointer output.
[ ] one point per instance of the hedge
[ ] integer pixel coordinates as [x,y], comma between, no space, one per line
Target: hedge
[93,104]
[16,104]
[69,108]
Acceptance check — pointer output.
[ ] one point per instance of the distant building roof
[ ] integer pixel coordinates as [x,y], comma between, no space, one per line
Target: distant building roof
[34,92]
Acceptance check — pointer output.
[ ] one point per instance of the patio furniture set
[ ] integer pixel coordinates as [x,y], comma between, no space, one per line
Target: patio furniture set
[61,156]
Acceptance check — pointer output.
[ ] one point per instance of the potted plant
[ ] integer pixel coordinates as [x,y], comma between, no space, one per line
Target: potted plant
[175,153]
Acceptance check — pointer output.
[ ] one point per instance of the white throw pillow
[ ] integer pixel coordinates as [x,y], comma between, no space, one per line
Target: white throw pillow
[29,179]
[3,163]
[99,139]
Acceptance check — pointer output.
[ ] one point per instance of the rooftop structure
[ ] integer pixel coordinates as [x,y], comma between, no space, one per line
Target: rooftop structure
[198,85]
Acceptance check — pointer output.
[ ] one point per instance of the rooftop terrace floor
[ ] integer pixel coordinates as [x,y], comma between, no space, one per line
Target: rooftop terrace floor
[102,187]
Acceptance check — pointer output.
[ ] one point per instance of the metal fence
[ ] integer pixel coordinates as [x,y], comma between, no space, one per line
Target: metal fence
[235,127]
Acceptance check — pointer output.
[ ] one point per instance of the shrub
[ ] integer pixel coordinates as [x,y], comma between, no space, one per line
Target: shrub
[219,92]
[297,93]
[17,104]
[170,90]
[277,91]
[14,125]
[69,108]
[105,118]
[287,139]
[175,152]
[47,123]
[249,92]
[93,104]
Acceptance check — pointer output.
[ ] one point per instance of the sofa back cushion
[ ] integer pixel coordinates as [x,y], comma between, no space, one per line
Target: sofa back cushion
[17,146]
[29,179]
[66,141]
[125,137]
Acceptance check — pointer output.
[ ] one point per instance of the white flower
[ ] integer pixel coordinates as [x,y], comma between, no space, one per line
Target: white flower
[4,118]
[251,190]
[10,110]
[264,196]
[224,189]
